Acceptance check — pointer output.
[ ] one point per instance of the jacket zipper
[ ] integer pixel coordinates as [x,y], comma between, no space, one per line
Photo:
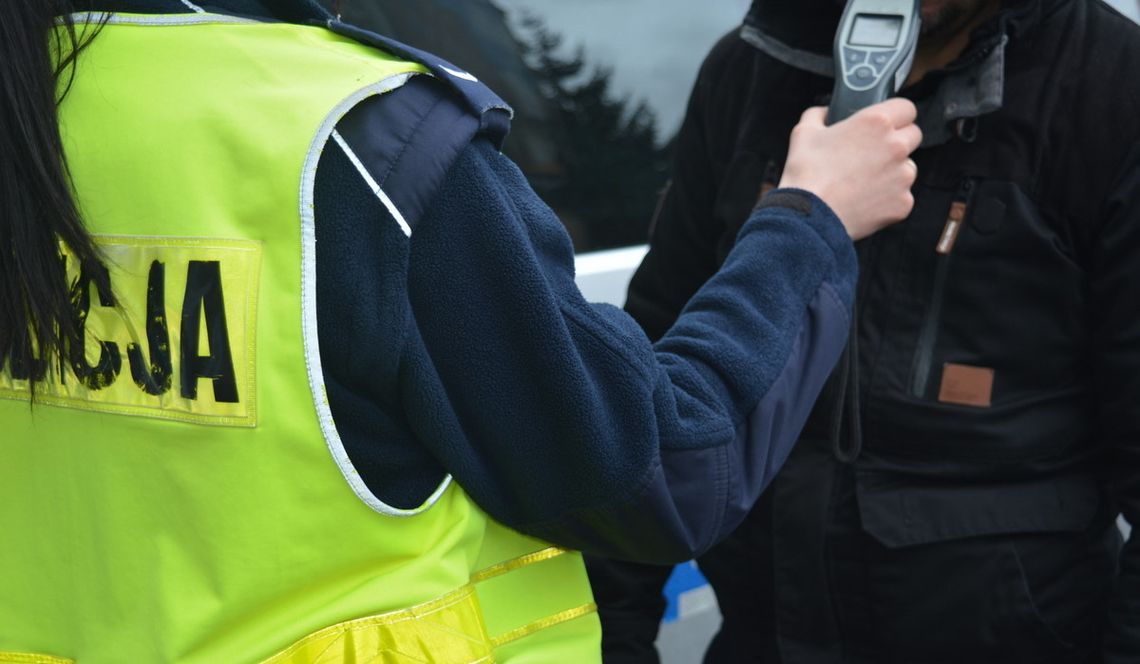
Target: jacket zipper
[928,333]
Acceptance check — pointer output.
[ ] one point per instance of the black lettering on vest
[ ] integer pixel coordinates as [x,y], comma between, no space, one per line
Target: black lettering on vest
[154,378]
[204,295]
[106,370]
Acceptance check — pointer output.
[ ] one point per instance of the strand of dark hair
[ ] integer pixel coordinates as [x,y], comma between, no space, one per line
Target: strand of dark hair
[37,209]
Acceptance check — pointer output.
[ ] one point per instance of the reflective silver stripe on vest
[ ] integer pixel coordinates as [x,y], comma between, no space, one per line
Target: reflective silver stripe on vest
[309,307]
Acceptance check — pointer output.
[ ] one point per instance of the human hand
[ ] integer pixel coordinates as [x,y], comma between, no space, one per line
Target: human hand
[860,167]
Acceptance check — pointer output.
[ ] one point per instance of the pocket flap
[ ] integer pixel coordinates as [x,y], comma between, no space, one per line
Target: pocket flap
[902,512]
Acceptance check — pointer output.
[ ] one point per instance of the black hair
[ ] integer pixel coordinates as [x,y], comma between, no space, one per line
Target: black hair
[39,45]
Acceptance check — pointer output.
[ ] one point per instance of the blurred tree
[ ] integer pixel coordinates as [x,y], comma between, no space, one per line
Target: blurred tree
[614,169]
[592,157]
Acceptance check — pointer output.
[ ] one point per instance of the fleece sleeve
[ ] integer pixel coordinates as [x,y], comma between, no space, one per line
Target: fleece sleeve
[562,420]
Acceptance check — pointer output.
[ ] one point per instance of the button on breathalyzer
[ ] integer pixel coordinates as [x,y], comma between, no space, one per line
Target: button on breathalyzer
[874,50]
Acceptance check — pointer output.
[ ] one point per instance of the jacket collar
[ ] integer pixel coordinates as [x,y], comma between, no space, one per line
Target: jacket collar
[806,26]
[800,34]
[948,100]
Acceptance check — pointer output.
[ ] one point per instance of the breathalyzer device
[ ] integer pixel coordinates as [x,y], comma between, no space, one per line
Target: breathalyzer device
[874,50]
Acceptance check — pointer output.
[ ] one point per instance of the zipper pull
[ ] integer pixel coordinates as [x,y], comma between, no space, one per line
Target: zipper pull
[955,219]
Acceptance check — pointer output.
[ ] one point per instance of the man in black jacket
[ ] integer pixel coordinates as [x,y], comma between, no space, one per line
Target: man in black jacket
[953,496]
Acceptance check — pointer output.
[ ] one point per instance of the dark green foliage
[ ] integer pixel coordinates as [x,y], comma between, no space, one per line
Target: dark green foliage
[613,167]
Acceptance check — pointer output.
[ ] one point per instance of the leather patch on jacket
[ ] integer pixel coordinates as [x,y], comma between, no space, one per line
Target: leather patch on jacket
[967,386]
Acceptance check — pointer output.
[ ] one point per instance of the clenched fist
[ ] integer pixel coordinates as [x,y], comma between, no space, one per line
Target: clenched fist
[861,167]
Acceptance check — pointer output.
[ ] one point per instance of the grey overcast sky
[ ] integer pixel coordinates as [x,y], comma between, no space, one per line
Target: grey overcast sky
[1129,7]
[654,46]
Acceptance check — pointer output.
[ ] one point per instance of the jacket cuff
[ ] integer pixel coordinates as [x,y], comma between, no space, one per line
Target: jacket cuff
[820,218]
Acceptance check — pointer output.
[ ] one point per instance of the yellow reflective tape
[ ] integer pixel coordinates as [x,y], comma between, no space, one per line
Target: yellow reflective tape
[517,563]
[545,623]
[29,658]
[521,562]
[178,343]
[447,630]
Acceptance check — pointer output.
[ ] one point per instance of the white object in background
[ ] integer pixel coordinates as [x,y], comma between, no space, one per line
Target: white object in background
[603,276]
[1130,8]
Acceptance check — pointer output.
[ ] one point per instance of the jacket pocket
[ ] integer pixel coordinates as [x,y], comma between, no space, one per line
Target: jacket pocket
[947,581]
[977,332]
[902,512]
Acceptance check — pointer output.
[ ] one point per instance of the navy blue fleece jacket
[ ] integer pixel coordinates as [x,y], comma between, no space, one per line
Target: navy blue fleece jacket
[466,349]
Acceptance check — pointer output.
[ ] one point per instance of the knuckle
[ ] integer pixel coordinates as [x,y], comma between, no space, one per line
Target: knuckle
[880,119]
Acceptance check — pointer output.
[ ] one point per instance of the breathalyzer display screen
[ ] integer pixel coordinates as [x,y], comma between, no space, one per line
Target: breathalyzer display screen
[876,30]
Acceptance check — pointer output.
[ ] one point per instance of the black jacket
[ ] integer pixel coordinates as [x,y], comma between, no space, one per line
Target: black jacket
[998,378]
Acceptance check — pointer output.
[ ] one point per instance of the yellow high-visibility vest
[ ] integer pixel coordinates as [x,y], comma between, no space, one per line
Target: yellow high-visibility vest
[178,492]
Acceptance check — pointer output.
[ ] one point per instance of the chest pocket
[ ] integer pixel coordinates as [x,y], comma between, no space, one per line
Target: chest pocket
[975,308]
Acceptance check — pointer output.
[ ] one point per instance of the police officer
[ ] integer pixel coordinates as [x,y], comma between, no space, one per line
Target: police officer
[306,359]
